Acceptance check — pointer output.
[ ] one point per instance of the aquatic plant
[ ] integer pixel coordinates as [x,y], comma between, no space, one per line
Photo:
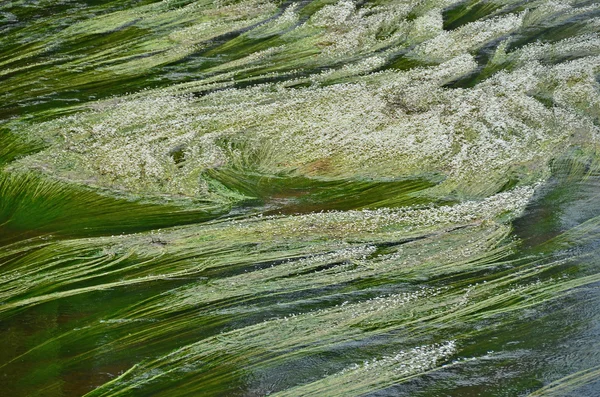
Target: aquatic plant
[252,197]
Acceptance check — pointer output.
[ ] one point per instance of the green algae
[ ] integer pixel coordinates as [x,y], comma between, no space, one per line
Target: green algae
[312,198]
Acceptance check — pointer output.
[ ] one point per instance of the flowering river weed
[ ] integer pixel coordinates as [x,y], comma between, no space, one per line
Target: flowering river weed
[309,198]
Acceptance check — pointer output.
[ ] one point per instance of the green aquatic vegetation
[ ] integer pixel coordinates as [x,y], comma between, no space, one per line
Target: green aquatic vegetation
[35,206]
[140,258]
[254,197]
[431,130]
[337,325]
[389,369]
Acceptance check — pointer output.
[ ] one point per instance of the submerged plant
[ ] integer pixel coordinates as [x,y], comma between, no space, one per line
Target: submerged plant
[253,197]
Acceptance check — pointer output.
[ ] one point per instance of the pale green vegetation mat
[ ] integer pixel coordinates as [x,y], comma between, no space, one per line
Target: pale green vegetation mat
[311,198]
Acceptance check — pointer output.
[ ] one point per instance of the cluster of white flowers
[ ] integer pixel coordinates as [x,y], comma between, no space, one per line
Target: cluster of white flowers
[222,19]
[270,279]
[448,44]
[381,125]
[578,46]
[353,223]
[394,124]
[373,307]
[414,360]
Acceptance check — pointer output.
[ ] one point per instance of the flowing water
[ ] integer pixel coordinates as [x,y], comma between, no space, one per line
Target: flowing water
[310,198]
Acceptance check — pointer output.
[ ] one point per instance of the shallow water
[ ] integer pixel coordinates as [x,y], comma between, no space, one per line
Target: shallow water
[247,198]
